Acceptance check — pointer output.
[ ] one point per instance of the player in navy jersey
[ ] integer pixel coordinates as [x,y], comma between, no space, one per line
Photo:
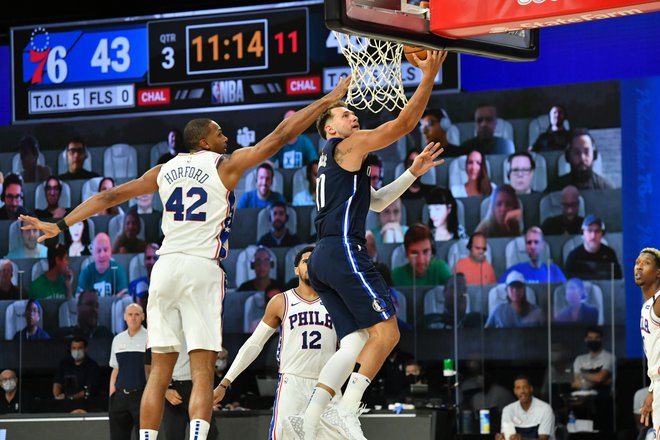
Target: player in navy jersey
[342,273]
[187,284]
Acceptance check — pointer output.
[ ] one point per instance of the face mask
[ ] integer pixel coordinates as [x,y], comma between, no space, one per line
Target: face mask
[411,379]
[9,385]
[77,355]
[594,345]
[221,364]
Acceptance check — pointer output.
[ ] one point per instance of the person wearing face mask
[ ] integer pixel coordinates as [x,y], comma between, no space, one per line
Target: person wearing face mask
[177,398]
[592,379]
[9,400]
[77,374]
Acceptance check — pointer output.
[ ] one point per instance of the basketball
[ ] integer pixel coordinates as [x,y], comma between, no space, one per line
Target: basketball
[408,52]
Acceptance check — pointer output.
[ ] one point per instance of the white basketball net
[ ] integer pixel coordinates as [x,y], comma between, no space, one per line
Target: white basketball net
[376,68]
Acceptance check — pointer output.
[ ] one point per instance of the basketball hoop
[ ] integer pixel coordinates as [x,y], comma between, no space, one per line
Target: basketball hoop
[376,68]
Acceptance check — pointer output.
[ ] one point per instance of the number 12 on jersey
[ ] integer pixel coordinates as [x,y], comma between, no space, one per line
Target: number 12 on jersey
[177,205]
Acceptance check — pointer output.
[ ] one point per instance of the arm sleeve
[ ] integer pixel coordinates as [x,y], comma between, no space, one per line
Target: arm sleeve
[250,350]
[382,198]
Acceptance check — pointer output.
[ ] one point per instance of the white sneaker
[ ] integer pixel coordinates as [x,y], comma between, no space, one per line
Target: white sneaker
[296,424]
[347,421]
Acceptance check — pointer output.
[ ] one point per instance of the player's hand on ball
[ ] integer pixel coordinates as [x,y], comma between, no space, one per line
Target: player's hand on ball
[431,64]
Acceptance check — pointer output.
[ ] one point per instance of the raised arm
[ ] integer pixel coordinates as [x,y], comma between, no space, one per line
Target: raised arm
[145,184]
[253,346]
[383,197]
[365,141]
[243,159]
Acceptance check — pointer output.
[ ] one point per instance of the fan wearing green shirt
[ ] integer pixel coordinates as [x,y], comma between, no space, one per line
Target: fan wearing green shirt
[56,282]
[423,267]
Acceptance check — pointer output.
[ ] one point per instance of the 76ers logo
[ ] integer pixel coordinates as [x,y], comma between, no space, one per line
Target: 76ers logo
[39,48]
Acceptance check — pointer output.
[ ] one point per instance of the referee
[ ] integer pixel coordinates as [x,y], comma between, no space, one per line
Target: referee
[128,378]
[177,397]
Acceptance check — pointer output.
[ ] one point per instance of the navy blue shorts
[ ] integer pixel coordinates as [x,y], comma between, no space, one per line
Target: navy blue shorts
[350,286]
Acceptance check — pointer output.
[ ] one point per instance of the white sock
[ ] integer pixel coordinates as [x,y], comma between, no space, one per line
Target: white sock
[148,434]
[199,429]
[357,385]
[317,404]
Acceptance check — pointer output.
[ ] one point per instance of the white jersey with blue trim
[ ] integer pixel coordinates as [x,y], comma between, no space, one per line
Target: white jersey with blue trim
[650,328]
[307,336]
[197,208]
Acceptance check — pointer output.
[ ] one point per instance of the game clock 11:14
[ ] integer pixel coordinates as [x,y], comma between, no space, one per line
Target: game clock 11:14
[268,43]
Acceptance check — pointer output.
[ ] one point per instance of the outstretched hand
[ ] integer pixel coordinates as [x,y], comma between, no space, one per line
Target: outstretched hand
[50,230]
[341,88]
[431,64]
[427,159]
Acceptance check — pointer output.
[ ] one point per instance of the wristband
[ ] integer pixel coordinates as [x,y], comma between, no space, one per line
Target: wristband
[221,385]
[61,225]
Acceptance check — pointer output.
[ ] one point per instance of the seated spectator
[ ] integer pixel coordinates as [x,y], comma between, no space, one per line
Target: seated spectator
[418,189]
[521,172]
[456,297]
[77,239]
[434,125]
[593,260]
[29,247]
[76,153]
[8,290]
[56,282]
[568,222]
[9,397]
[175,146]
[139,287]
[28,149]
[87,324]
[535,270]
[555,137]
[261,264]
[475,267]
[485,119]
[78,374]
[279,235]
[32,331]
[269,292]
[529,417]
[12,196]
[262,196]
[577,311]
[517,311]
[128,242]
[443,215]
[105,184]
[53,191]
[104,275]
[422,269]
[593,370]
[307,197]
[503,219]
[389,228]
[375,171]
[297,153]
[478,183]
[144,204]
[581,155]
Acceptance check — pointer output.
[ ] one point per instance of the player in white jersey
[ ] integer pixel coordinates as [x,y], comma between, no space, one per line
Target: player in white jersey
[647,277]
[187,284]
[307,340]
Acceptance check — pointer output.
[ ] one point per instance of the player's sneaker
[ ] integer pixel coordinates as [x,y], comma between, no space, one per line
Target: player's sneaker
[296,424]
[347,421]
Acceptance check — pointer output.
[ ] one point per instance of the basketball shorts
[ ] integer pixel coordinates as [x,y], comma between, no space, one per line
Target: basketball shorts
[291,398]
[185,304]
[351,288]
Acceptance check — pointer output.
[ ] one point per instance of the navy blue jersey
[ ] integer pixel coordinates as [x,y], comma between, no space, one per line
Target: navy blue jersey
[342,197]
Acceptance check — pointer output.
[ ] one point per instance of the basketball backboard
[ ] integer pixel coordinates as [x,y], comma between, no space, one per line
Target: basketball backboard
[389,20]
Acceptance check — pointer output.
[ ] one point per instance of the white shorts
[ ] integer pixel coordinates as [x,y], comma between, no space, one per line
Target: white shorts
[185,304]
[293,393]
